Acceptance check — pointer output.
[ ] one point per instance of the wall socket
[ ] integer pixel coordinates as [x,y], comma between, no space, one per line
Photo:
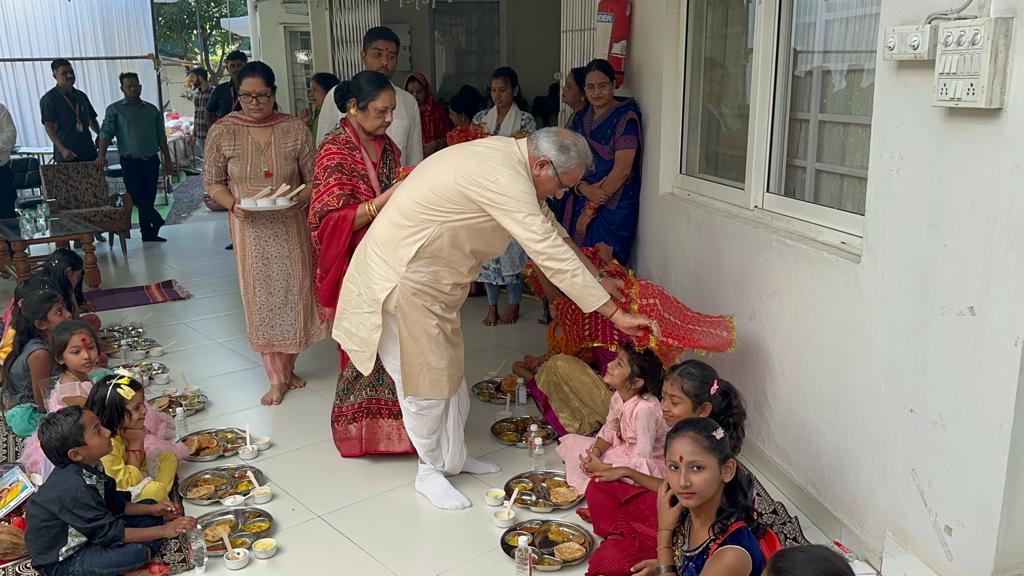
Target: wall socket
[971,62]
[910,42]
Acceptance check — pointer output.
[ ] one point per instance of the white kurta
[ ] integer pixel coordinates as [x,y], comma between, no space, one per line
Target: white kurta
[459,208]
[405,130]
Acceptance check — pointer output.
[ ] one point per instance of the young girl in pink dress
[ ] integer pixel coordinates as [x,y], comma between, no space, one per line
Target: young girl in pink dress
[634,432]
[74,348]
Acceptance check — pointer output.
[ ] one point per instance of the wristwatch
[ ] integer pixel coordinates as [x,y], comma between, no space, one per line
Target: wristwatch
[666,569]
[600,276]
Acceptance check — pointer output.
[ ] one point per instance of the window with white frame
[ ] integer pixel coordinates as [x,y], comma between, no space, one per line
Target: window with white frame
[777,102]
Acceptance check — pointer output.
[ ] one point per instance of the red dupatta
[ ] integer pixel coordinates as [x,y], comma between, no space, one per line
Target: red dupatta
[344,178]
[681,327]
[434,118]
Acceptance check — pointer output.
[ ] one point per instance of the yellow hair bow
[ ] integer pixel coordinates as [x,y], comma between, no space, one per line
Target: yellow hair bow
[123,389]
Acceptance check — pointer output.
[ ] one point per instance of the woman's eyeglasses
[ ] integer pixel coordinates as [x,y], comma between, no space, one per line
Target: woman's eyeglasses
[257,98]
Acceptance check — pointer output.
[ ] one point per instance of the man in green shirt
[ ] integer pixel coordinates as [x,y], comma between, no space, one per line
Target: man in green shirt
[138,127]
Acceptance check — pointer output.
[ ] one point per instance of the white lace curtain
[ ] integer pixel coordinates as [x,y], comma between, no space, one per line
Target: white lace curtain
[81,28]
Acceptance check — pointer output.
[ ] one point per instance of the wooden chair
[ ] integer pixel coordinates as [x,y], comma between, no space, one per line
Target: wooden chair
[80,188]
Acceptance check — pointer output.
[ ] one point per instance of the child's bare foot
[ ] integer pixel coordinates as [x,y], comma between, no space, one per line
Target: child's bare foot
[511,315]
[274,396]
[492,316]
[296,382]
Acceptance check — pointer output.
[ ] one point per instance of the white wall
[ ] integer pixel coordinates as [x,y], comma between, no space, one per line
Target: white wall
[272,20]
[173,78]
[320,34]
[421,30]
[887,386]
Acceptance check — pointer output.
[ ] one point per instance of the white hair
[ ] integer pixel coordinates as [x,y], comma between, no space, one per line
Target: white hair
[564,148]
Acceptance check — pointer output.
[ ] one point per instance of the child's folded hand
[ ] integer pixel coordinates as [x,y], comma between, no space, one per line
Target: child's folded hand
[179,526]
[166,509]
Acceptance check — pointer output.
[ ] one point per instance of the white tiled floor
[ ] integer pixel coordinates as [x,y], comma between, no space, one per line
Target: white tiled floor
[334,515]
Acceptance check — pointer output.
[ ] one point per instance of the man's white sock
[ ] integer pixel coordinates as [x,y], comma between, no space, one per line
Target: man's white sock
[474,466]
[439,490]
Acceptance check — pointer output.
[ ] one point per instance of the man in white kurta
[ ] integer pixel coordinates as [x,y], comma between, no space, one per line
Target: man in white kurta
[410,275]
[380,53]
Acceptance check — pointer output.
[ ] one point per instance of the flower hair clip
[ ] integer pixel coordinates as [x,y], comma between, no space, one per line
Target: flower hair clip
[718,434]
[714,387]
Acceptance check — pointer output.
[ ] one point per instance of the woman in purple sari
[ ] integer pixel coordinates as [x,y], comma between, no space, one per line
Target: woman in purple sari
[607,200]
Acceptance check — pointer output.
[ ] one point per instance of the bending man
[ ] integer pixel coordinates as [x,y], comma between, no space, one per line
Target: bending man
[411,273]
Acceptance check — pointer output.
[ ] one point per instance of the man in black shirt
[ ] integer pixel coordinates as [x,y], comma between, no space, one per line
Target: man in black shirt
[68,116]
[222,101]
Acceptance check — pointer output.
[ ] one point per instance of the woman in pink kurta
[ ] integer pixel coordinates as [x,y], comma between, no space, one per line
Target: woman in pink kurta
[247,152]
[634,433]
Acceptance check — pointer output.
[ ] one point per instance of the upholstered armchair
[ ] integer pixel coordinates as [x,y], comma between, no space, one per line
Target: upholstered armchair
[80,188]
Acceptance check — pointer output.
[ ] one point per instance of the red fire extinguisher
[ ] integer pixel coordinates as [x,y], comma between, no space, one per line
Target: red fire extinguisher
[612,39]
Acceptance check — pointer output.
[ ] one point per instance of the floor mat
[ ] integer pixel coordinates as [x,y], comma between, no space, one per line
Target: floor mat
[132,296]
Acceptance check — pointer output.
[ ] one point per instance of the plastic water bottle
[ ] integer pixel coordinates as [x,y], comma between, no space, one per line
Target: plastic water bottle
[180,424]
[530,435]
[124,351]
[537,459]
[524,559]
[44,210]
[521,396]
[198,550]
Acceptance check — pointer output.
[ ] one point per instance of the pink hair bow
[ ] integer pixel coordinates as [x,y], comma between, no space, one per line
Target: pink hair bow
[714,387]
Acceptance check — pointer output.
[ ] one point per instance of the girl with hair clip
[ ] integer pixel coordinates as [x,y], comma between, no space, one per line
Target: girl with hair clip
[625,513]
[633,435]
[119,403]
[29,366]
[706,519]
[74,348]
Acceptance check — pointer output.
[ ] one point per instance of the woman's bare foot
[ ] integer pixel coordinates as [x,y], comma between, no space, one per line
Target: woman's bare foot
[511,315]
[296,382]
[492,316]
[274,396]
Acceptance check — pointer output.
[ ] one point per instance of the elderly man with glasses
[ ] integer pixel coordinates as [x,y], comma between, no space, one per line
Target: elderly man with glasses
[411,273]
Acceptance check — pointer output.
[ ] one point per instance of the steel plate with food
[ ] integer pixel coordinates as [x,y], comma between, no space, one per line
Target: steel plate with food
[207,445]
[554,543]
[244,525]
[210,486]
[543,491]
[489,391]
[168,403]
[512,431]
[151,368]
[119,331]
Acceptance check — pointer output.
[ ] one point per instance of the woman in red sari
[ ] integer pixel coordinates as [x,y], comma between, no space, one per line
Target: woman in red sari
[433,115]
[354,174]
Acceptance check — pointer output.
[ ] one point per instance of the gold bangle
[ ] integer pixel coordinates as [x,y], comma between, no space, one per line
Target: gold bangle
[376,212]
[369,211]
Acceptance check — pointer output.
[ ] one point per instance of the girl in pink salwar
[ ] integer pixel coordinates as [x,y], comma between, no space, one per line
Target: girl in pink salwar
[634,433]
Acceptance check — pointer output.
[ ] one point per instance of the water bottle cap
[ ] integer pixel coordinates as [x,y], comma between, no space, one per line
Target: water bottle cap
[533,427]
[523,540]
[520,381]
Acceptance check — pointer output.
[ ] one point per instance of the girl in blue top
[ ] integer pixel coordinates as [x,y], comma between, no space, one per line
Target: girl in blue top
[706,521]
[29,364]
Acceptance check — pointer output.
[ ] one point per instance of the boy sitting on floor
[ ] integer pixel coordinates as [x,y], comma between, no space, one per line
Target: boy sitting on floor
[78,523]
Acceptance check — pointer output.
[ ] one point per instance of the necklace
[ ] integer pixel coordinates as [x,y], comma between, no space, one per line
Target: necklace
[263,152]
